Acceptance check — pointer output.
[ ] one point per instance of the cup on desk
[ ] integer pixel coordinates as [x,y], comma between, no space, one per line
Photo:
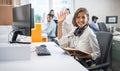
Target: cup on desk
[44,38]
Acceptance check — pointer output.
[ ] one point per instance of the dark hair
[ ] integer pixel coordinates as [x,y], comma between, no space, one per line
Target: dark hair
[51,11]
[49,15]
[76,14]
[68,9]
[94,17]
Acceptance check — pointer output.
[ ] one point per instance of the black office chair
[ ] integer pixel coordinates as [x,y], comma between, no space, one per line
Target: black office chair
[102,27]
[105,41]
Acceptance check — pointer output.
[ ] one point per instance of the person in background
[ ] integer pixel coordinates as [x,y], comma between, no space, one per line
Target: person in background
[84,38]
[93,25]
[53,15]
[67,25]
[50,28]
[54,19]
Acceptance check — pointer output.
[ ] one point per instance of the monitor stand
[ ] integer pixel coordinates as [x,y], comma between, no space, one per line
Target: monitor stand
[14,37]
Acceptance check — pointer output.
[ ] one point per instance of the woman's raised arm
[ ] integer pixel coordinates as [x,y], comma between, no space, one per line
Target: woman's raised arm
[61,18]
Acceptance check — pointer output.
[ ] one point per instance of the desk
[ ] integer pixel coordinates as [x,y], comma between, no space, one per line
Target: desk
[116,53]
[4,31]
[57,61]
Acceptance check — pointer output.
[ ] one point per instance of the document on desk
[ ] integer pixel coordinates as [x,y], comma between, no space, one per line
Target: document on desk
[24,39]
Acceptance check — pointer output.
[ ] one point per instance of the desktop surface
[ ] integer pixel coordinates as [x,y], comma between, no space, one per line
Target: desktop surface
[14,52]
[57,61]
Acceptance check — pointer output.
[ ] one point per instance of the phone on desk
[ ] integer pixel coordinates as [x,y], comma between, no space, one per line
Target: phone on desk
[75,50]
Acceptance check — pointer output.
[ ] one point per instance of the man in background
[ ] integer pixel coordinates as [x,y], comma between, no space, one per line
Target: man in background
[93,25]
[50,28]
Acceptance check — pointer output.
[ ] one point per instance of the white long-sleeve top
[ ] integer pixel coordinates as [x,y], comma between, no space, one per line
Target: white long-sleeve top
[87,42]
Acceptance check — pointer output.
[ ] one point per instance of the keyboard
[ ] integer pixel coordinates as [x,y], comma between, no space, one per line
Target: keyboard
[42,50]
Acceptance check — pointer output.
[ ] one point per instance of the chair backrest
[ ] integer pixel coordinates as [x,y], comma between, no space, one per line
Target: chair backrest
[102,26]
[104,41]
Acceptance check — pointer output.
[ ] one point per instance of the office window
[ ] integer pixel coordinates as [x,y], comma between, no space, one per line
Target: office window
[59,5]
[41,7]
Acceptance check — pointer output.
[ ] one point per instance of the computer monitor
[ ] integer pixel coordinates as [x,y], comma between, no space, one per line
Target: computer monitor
[23,21]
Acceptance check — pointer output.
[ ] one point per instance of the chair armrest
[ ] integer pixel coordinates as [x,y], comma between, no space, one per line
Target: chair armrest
[100,66]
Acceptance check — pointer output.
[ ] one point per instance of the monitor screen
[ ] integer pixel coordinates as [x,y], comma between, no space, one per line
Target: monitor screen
[111,19]
[23,20]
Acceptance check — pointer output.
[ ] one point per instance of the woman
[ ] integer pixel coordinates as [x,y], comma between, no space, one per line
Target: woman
[84,38]
[67,23]
[67,26]
[53,15]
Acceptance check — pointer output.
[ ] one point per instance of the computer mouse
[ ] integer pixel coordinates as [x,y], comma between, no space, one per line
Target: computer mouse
[43,45]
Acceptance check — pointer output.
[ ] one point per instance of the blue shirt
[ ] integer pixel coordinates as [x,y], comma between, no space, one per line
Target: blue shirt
[50,29]
[94,27]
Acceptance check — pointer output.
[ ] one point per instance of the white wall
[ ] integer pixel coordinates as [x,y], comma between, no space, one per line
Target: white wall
[100,8]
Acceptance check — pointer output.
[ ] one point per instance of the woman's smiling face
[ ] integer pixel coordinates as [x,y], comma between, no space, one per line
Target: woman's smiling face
[81,19]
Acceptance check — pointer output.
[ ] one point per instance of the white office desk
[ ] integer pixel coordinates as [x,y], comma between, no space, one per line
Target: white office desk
[57,61]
